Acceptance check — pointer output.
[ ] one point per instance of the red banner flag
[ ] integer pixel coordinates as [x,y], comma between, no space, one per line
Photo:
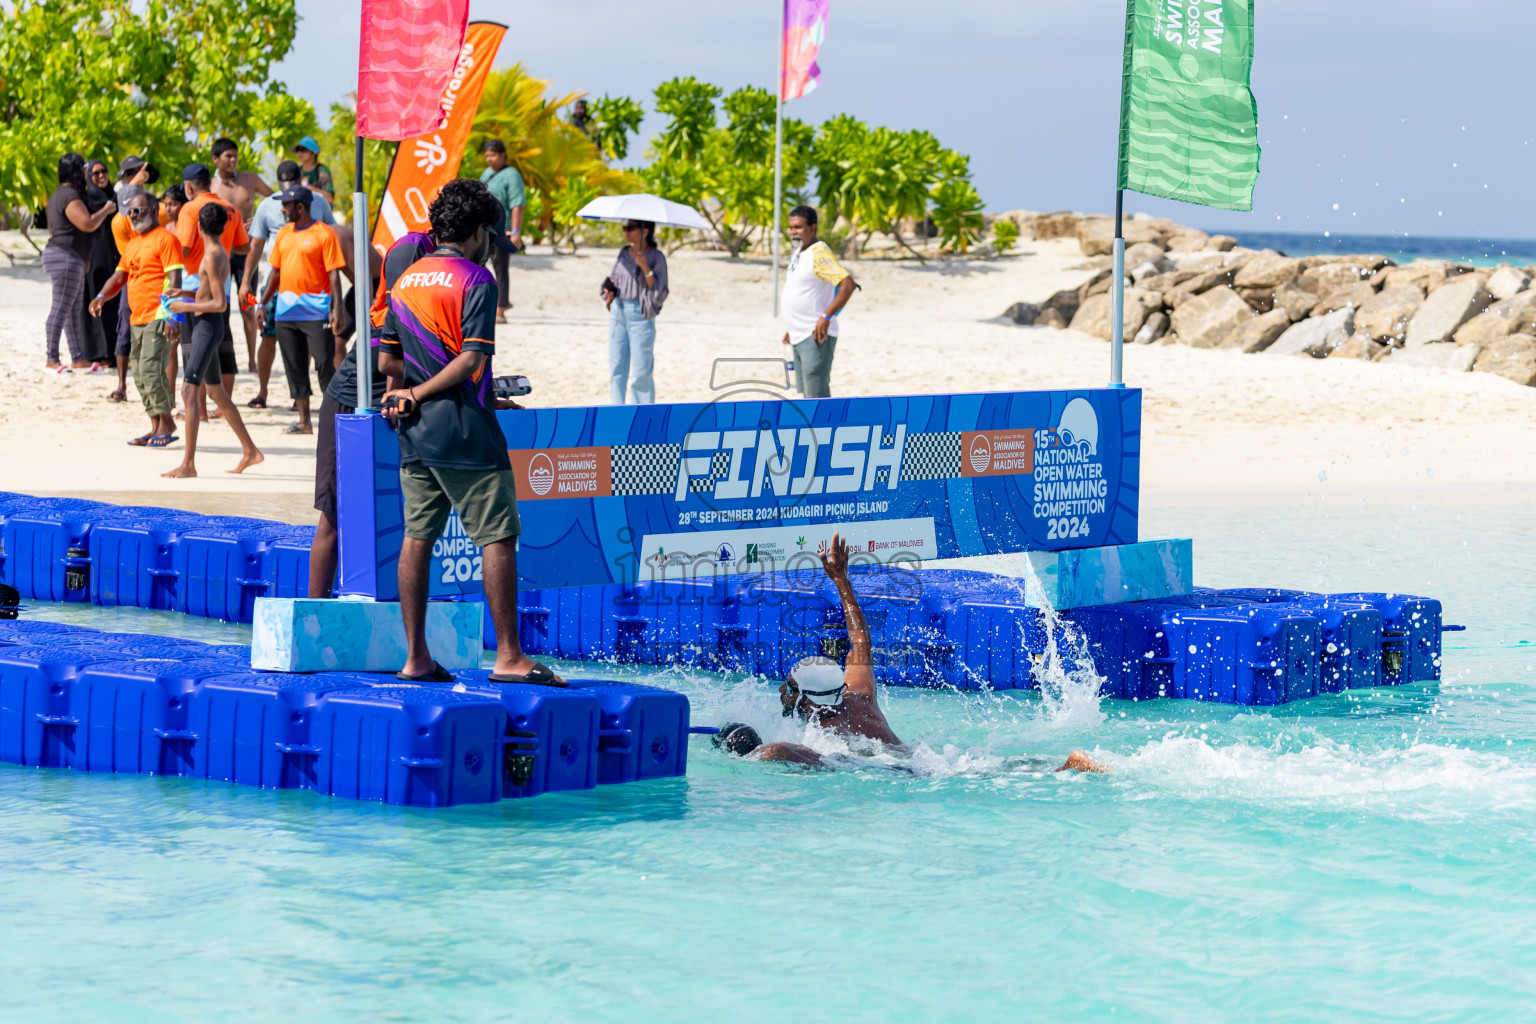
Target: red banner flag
[425,162]
[407,53]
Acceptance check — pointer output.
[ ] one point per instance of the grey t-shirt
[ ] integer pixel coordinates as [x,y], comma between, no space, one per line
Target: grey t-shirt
[268,219]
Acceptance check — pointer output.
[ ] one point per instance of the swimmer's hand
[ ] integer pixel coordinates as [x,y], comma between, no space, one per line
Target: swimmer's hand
[834,557]
[1078,761]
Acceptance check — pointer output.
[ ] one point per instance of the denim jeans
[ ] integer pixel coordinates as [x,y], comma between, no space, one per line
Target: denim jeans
[813,366]
[631,342]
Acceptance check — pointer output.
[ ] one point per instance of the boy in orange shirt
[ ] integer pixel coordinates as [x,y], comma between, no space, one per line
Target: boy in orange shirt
[152,255]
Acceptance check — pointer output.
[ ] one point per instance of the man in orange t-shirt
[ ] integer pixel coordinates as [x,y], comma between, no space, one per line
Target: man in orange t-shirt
[307,262]
[122,234]
[149,257]
[197,181]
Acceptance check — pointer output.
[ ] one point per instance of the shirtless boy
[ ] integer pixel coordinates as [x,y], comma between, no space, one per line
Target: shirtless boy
[239,189]
[201,336]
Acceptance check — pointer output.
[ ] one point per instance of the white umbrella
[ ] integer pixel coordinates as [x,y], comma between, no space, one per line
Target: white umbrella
[662,212]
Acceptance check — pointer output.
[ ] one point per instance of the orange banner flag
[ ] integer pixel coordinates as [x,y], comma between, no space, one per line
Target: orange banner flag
[423,164]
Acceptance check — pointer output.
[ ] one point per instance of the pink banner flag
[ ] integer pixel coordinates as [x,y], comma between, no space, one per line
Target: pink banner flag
[408,52]
[805,28]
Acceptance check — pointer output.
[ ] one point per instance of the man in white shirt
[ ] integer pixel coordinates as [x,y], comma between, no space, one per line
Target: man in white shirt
[815,290]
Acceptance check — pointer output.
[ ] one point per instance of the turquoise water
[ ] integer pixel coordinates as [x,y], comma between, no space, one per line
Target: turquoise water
[1366,856]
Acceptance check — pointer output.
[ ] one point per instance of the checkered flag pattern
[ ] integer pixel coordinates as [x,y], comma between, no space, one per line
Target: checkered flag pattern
[931,456]
[647,468]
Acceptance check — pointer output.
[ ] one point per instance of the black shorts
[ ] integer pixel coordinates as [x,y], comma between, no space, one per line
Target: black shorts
[325,456]
[204,334]
[228,364]
[300,341]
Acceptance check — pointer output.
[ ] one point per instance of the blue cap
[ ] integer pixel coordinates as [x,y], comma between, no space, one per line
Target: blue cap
[308,142]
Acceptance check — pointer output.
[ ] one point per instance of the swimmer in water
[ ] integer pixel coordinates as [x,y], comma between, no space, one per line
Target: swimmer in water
[840,699]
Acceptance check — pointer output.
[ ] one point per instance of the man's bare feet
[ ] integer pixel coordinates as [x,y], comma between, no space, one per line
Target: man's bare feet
[181,472]
[247,461]
[1078,761]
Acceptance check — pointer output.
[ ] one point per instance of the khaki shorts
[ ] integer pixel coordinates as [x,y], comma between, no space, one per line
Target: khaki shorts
[486,501]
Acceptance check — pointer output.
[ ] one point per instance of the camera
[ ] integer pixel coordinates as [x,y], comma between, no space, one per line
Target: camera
[514,386]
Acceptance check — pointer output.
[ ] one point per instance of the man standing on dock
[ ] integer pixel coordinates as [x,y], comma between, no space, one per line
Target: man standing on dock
[439,336]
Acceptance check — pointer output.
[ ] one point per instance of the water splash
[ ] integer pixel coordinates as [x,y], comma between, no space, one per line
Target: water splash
[1069,683]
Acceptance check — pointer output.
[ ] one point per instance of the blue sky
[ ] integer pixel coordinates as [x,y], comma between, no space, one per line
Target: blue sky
[1412,117]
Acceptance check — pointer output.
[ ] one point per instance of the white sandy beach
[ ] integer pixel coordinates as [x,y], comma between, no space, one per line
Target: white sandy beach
[1214,420]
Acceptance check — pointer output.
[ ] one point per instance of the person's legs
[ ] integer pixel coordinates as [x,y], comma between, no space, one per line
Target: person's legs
[172,367]
[813,367]
[247,316]
[487,506]
[642,345]
[123,349]
[503,287]
[426,513]
[200,356]
[229,365]
[618,353]
[66,272]
[322,553]
[149,345]
[293,343]
[265,353]
[322,348]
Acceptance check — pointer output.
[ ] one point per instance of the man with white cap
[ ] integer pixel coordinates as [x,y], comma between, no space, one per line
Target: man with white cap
[840,699]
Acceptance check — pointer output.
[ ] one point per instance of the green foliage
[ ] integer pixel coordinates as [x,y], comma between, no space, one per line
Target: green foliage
[1005,235]
[690,104]
[338,151]
[567,202]
[749,115]
[617,118]
[957,214]
[107,78]
[548,152]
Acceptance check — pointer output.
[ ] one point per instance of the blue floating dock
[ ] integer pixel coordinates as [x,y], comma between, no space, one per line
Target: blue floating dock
[939,627]
[78,698]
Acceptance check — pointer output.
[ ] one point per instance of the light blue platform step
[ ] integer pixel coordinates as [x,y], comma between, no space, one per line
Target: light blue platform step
[353,635]
[1149,570]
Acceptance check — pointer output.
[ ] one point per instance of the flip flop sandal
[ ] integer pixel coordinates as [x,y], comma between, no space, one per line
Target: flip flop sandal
[294,428]
[162,440]
[539,675]
[117,396]
[142,442]
[437,675]
[256,403]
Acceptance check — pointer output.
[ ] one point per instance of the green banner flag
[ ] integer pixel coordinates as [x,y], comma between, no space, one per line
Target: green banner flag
[1188,121]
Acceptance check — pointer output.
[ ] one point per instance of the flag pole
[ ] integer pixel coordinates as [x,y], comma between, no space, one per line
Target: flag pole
[778,168]
[1117,329]
[363,295]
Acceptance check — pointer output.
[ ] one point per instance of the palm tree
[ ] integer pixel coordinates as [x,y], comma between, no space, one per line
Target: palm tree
[547,150]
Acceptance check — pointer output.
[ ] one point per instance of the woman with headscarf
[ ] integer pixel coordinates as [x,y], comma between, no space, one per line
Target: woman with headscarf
[634,293]
[66,258]
[103,263]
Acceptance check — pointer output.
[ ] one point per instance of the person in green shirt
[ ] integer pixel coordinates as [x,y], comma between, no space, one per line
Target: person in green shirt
[506,184]
[315,174]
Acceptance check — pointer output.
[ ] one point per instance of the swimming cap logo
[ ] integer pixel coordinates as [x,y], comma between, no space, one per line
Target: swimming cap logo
[1079,426]
[541,474]
[981,453]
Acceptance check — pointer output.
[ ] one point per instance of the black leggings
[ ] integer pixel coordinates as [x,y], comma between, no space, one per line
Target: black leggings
[300,341]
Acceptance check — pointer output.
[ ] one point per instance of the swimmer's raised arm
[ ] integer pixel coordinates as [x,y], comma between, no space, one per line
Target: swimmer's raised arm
[858,673]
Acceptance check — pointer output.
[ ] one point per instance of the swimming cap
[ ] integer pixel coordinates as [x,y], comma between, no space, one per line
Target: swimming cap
[819,680]
[738,738]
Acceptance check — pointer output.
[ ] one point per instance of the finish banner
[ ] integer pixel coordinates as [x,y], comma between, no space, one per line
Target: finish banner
[423,164]
[620,494]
